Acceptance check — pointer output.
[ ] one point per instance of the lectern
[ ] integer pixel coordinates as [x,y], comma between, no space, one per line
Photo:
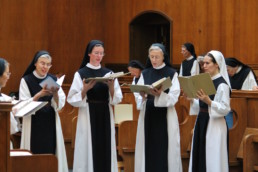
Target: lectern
[20,163]
[5,109]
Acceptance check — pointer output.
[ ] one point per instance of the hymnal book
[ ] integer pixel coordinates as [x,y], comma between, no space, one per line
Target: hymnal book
[165,83]
[108,77]
[51,83]
[27,107]
[192,84]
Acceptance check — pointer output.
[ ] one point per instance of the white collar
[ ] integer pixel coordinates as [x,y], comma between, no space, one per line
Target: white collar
[40,77]
[189,58]
[93,67]
[216,76]
[239,68]
[160,67]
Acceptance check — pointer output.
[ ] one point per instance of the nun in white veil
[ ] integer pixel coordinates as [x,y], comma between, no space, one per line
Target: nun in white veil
[210,139]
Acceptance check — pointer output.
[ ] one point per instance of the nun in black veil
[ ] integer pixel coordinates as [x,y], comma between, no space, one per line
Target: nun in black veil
[42,131]
[158,138]
[190,65]
[95,147]
[241,76]
[135,68]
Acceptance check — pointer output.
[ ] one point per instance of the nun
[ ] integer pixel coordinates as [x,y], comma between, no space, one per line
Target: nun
[135,68]
[4,77]
[158,137]
[95,145]
[210,139]
[42,131]
[190,65]
[241,76]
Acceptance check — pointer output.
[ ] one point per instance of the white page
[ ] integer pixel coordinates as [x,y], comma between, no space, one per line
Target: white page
[123,112]
[28,108]
[50,82]
[20,153]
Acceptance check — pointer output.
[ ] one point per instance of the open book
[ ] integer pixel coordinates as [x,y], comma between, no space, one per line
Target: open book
[50,82]
[192,84]
[165,83]
[108,77]
[27,107]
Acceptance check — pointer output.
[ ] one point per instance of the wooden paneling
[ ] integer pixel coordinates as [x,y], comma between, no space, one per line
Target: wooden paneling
[64,27]
[71,25]
[32,163]
[228,26]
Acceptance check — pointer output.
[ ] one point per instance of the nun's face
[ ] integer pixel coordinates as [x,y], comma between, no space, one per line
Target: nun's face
[96,55]
[156,58]
[209,66]
[4,78]
[185,52]
[134,71]
[231,70]
[43,65]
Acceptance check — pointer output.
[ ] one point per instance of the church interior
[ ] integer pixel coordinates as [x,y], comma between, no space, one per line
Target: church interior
[128,28]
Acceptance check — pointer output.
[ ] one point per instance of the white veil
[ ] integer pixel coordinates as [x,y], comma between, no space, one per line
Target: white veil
[222,65]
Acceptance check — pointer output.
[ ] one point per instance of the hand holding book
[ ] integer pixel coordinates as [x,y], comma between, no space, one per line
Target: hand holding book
[50,84]
[162,84]
[192,84]
[108,77]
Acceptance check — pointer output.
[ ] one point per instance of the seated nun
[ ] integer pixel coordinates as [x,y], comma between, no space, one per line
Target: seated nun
[241,76]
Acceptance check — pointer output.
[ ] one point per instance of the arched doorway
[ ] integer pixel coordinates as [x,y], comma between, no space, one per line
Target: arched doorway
[147,28]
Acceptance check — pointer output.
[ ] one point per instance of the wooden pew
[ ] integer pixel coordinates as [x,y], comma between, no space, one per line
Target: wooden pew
[250,152]
[126,143]
[237,131]
[186,125]
[33,163]
[244,106]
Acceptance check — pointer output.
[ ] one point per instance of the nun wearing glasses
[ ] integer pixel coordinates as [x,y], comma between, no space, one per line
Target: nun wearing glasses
[42,131]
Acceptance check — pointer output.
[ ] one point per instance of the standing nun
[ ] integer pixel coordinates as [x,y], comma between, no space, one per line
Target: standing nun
[95,146]
[42,131]
[158,138]
[190,65]
[210,139]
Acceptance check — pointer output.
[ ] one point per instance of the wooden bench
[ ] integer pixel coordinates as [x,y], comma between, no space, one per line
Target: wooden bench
[126,143]
[33,162]
[250,153]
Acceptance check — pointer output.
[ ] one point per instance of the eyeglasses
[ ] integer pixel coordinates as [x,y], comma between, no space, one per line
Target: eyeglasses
[45,64]
[8,74]
[155,57]
[96,53]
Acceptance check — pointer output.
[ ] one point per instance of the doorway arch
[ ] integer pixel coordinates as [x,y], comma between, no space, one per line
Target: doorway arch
[146,28]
